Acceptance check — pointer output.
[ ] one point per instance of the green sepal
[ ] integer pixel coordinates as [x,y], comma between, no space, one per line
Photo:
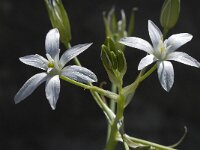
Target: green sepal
[59,19]
[122,65]
[169,13]
[114,60]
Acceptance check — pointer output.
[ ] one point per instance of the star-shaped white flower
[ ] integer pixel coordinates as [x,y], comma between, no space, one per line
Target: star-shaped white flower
[54,67]
[162,52]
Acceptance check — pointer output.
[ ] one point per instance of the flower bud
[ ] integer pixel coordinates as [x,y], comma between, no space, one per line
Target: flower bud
[115,29]
[59,19]
[114,61]
[169,13]
[131,24]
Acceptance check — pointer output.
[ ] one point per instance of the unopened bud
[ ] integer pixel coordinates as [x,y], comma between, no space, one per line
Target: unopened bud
[169,13]
[59,19]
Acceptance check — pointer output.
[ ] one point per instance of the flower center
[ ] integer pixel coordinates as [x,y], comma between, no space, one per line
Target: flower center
[162,49]
[51,64]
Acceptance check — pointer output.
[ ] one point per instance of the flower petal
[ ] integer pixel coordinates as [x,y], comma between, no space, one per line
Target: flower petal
[147,60]
[166,74]
[177,40]
[52,42]
[183,58]
[138,43]
[30,85]
[154,33]
[35,61]
[52,90]
[79,74]
[73,52]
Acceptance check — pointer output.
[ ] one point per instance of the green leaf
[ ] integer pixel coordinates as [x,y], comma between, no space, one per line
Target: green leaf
[169,13]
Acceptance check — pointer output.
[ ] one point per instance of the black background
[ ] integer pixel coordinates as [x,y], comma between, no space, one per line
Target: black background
[78,123]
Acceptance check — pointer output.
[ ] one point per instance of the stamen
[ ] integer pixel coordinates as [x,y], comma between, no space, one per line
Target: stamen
[51,64]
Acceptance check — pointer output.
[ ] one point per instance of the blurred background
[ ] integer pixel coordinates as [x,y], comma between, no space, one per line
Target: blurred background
[78,123]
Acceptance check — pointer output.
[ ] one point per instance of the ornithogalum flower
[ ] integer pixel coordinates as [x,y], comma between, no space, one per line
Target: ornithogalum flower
[54,67]
[162,51]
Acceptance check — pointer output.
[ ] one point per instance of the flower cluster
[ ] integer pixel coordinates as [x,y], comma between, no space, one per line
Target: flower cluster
[113,103]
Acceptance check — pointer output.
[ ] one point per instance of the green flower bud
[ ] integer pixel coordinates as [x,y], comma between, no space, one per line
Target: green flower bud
[114,61]
[169,13]
[131,24]
[117,29]
[108,64]
[59,19]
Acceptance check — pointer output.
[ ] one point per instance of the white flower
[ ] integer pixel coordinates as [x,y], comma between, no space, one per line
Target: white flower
[54,67]
[162,52]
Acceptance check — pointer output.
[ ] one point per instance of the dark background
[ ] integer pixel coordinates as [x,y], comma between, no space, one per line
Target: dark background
[78,123]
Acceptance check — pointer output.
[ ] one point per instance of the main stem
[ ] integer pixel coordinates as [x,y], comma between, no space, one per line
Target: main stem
[112,107]
[112,142]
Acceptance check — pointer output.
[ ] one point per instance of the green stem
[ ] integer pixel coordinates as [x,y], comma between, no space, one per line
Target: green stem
[76,61]
[106,93]
[112,107]
[165,31]
[149,72]
[146,143]
[130,89]
[109,114]
[126,146]
[112,102]
[112,142]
